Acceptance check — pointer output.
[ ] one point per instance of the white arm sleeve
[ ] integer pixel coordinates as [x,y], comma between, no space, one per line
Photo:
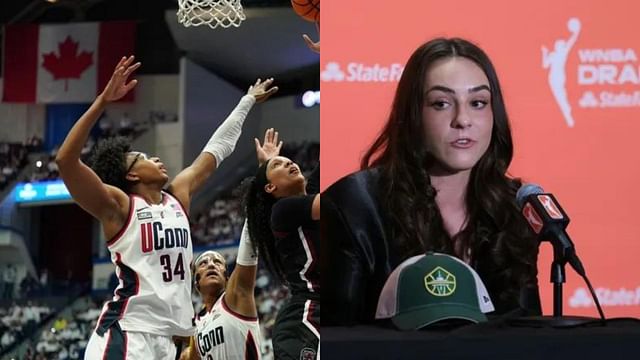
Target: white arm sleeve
[246,255]
[224,139]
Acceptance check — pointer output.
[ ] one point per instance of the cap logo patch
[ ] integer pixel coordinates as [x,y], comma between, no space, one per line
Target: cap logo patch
[440,282]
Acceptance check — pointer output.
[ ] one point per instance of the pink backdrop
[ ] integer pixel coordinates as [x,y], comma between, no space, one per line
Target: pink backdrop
[593,167]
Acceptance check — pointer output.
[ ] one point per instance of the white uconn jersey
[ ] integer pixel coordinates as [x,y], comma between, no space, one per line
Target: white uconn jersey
[225,335]
[152,254]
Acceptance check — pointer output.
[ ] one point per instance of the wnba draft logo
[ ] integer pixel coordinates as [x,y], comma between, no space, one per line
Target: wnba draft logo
[440,282]
[611,68]
[555,61]
[360,72]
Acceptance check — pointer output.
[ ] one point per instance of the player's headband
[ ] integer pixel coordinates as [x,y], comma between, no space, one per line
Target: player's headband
[261,176]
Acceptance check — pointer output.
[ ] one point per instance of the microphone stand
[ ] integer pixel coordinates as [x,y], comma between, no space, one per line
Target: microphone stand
[558,279]
[549,221]
[562,253]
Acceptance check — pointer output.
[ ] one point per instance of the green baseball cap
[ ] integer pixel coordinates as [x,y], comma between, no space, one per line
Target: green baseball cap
[429,288]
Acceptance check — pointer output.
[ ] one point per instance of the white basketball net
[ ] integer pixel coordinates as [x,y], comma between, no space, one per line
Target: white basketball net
[224,13]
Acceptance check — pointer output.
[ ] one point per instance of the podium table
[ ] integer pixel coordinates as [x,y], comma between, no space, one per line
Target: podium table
[619,339]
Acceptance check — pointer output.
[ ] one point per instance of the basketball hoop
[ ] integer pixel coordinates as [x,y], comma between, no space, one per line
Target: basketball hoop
[224,13]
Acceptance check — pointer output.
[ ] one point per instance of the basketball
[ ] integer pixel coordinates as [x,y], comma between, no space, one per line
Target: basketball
[307,9]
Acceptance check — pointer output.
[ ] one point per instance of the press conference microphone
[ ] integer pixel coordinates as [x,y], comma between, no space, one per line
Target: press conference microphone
[549,221]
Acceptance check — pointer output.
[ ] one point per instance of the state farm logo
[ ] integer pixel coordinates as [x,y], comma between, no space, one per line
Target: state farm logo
[581,297]
[332,72]
[359,72]
[602,73]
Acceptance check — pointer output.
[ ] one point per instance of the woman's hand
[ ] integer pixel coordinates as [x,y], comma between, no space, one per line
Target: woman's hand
[117,87]
[270,148]
[261,90]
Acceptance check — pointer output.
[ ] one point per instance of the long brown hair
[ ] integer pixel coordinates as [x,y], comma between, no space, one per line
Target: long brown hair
[495,233]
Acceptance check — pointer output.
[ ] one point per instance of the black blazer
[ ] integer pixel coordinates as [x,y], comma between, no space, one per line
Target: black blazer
[357,257]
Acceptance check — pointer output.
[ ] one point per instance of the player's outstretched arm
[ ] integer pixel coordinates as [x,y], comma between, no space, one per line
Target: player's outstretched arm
[221,144]
[101,200]
[242,282]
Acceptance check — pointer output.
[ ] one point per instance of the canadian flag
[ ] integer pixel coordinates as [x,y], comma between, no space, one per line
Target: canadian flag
[63,63]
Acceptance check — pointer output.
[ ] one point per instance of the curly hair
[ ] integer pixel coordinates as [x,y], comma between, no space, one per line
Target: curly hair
[501,245]
[109,161]
[257,206]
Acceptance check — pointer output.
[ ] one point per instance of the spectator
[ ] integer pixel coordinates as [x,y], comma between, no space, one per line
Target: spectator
[44,282]
[60,324]
[7,339]
[30,317]
[34,144]
[9,276]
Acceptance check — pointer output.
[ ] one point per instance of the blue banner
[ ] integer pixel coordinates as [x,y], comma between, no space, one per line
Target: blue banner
[41,191]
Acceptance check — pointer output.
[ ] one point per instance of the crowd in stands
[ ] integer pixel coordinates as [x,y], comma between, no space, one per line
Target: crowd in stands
[23,313]
[270,296]
[19,321]
[13,158]
[46,167]
[67,337]
[28,287]
[13,155]
[220,224]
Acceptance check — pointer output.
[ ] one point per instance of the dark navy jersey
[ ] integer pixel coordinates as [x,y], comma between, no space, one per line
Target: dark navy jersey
[297,243]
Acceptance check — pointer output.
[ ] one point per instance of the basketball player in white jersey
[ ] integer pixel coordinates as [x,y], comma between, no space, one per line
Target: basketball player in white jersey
[147,227]
[227,327]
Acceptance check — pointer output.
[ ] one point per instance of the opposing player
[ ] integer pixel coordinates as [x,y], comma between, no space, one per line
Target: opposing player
[283,212]
[147,227]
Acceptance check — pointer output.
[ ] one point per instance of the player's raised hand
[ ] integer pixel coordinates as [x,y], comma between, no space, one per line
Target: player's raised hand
[314,46]
[262,90]
[117,87]
[269,148]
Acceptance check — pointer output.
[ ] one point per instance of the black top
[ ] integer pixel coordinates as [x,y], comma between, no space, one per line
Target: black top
[297,240]
[313,181]
[357,256]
